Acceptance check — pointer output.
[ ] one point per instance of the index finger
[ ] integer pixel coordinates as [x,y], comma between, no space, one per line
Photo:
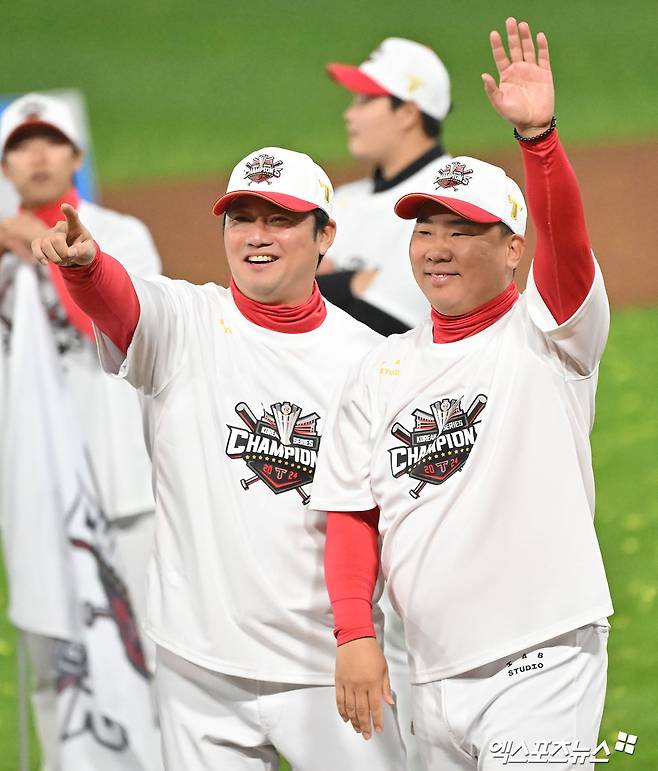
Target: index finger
[71,215]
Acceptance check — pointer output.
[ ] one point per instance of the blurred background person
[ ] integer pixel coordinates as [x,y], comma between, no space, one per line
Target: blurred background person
[401,97]
[42,149]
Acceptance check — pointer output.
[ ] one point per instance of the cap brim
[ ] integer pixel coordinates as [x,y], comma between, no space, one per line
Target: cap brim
[407,207]
[280,199]
[355,80]
[30,124]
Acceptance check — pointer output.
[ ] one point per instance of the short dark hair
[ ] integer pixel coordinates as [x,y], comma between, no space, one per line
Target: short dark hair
[28,131]
[320,221]
[431,126]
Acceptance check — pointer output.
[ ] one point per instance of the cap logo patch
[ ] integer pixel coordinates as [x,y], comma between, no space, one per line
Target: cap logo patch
[31,111]
[263,168]
[326,193]
[516,206]
[452,175]
[414,84]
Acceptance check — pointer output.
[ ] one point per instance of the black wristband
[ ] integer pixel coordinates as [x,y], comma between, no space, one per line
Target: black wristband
[551,128]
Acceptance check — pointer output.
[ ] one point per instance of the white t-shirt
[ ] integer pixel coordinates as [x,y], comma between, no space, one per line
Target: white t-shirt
[370,236]
[477,453]
[233,415]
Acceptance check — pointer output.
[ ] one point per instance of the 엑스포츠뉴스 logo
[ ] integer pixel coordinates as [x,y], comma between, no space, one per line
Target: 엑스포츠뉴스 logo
[263,168]
[452,175]
[439,443]
[281,447]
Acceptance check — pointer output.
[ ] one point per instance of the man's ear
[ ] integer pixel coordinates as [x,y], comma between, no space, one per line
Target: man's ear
[78,157]
[515,250]
[326,236]
[409,115]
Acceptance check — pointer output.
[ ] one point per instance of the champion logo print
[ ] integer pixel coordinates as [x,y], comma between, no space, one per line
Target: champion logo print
[280,448]
[263,168]
[439,443]
[452,175]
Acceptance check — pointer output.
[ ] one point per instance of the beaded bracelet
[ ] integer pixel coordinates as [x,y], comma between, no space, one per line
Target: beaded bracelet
[519,138]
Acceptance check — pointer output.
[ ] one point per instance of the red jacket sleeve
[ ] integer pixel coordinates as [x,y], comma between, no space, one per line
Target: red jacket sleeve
[563,264]
[351,567]
[105,292]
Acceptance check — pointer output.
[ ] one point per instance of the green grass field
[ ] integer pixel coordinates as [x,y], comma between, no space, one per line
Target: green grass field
[625,447]
[178,89]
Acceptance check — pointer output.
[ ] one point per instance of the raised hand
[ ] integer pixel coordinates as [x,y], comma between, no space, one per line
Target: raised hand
[67,244]
[525,95]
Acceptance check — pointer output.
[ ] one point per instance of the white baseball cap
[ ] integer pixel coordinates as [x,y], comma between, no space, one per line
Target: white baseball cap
[474,189]
[287,178]
[403,68]
[39,110]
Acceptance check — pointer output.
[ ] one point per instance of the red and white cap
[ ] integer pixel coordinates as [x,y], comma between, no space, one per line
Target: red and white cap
[39,110]
[287,178]
[474,189]
[403,68]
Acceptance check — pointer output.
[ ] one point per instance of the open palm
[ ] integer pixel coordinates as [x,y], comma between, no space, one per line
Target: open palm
[525,95]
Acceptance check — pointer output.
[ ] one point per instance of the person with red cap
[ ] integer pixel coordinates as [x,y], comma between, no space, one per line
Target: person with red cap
[458,454]
[395,123]
[236,384]
[41,144]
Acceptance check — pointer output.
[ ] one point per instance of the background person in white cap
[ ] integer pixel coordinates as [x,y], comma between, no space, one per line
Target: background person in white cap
[401,98]
[470,433]
[236,384]
[41,148]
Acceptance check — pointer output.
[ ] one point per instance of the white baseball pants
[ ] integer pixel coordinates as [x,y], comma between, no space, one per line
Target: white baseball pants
[521,709]
[213,721]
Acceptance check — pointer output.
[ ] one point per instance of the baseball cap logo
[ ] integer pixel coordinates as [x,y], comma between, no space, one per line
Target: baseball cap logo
[263,168]
[452,175]
[31,110]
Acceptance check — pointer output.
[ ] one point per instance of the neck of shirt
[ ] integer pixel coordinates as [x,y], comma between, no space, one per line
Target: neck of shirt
[450,329]
[290,319]
[50,214]
[382,183]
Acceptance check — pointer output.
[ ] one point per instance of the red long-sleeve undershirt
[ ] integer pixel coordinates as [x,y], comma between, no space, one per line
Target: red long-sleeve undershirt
[563,272]
[105,292]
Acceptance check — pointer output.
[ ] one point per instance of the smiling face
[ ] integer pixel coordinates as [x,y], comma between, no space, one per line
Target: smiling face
[458,264]
[40,163]
[273,252]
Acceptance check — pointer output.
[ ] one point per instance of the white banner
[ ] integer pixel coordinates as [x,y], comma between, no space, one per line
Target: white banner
[63,574]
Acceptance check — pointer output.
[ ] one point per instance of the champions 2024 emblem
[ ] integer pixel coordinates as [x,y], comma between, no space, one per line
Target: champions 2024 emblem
[281,448]
[263,168]
[439,443]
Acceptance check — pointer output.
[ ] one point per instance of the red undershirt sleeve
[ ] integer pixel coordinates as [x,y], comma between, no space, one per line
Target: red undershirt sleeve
[563,265]
[105,292]
[351,567]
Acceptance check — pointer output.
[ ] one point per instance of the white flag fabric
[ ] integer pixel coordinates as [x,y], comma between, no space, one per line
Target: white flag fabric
[63,573]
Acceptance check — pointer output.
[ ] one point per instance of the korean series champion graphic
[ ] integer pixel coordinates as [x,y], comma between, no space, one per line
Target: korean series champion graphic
[280,448]
[439,444]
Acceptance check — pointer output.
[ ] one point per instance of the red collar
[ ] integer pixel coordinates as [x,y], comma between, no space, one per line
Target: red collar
[51,213]
[450,329]
[291,319]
